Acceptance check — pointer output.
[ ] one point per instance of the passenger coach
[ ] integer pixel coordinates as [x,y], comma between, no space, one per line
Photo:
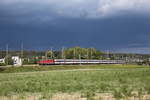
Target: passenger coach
[77,61]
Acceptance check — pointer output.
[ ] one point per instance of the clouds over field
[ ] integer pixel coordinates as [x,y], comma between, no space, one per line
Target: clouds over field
[78,8]
[76,22]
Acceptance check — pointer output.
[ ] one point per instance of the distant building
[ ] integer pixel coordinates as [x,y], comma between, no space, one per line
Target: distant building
[2,61]
[149,59]
[17,61]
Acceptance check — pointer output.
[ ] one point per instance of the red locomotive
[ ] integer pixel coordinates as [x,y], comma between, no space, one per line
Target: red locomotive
[46,62]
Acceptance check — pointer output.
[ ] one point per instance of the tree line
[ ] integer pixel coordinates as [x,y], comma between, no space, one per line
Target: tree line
[75,53]
[31,57]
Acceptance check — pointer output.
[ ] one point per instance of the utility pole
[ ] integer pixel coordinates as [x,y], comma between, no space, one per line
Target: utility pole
[87,54]
[46,55]
[107,54]
[1,52]
[22,50]
[80,58]
[74,53]
[22,53]
[6,54]
[91,53]
[62,53]
[51,53]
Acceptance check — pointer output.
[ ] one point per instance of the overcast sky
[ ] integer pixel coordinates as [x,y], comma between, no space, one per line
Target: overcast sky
[119,25]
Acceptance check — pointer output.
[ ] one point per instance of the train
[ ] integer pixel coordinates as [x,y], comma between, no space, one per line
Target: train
[78,61]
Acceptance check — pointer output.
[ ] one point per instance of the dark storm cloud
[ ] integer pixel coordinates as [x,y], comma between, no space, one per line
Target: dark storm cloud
[50,24]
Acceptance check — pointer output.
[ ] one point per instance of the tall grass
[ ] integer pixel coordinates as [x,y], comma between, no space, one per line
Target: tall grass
[65,67]
[121,82]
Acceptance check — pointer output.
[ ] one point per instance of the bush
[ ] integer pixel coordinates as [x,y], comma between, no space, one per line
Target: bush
[2,64]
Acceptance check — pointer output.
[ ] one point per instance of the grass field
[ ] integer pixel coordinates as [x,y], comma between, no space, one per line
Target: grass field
[88,82]
[64,67]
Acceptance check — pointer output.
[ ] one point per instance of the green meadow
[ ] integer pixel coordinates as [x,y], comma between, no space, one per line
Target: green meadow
[120,81]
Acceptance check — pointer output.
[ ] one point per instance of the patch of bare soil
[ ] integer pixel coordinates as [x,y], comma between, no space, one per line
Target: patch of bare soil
[74,96]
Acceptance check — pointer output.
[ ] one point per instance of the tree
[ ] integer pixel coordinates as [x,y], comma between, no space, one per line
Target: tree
[9,61]
[85,53]
[50,54]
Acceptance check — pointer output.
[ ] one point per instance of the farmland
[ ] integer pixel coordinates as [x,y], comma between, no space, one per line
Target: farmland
[87,82]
